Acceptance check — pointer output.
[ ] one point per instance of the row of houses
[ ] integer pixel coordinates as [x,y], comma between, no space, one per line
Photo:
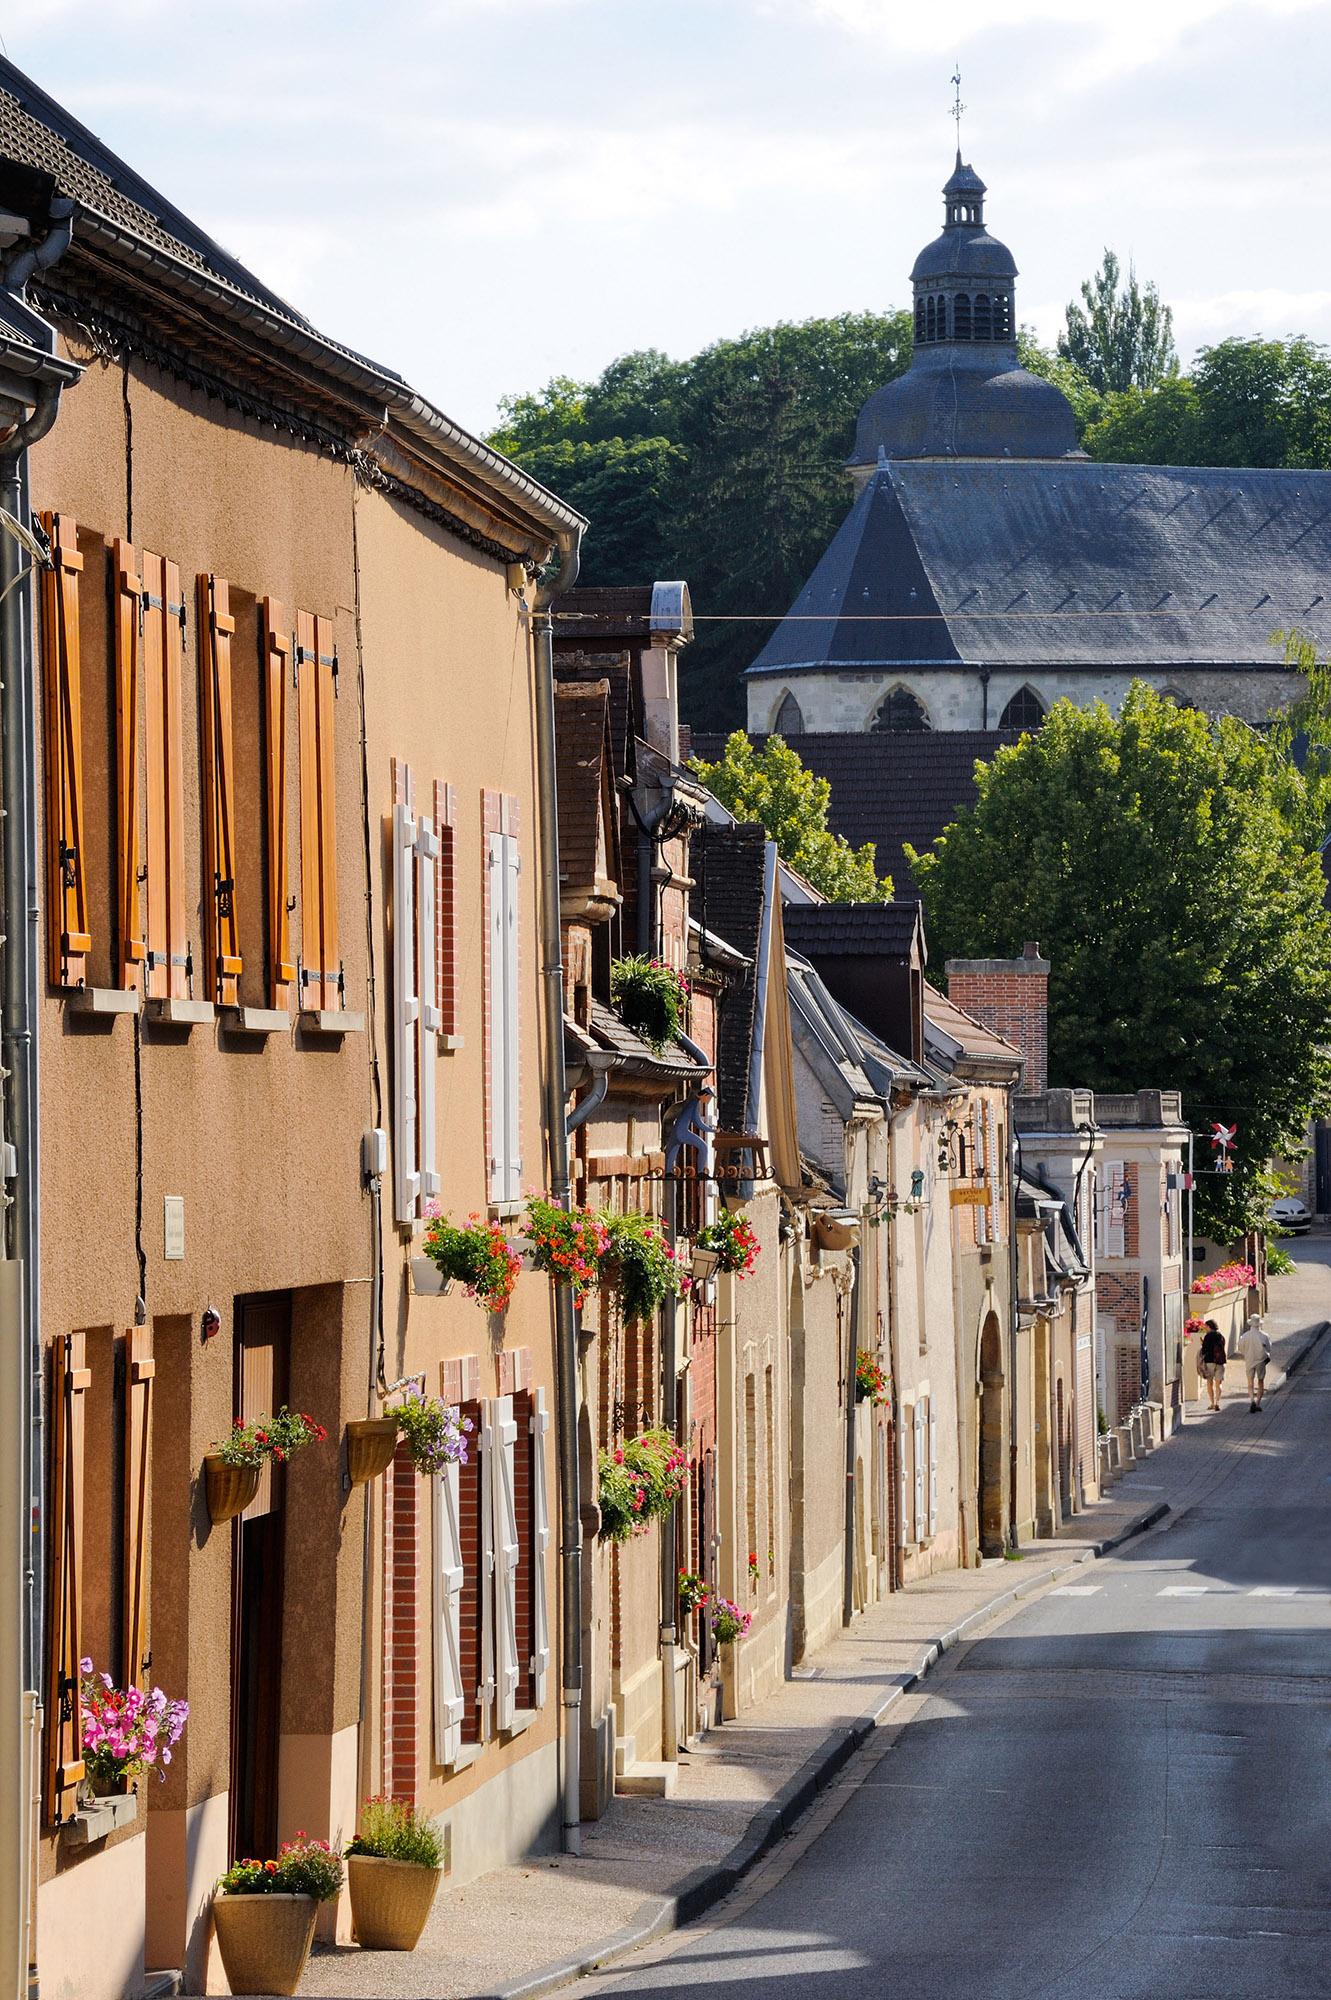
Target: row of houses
[334,813]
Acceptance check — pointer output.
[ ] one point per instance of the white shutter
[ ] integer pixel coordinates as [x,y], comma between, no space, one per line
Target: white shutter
[933,1470]
[486,1688]
[496,1016]
[506,1554]
[904,1448]
[540,1545]
[406,1180]
[991,1160]
[427,862]
[512,1107]
[449,1697]
[1115,1181]
[920,1517]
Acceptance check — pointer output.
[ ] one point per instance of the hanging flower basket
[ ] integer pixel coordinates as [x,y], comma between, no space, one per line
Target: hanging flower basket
[729,1622]
[693,1592]
[649,996]
[640,1264]
[733,1240]
[435,1432]
[567,1244]
[126,1731]
[371,1442]
[479,1257]
[639,1482]
[274,1440]
[229,1488]
[870,1381]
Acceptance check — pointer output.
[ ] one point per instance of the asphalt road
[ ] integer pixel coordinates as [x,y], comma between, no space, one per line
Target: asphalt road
[1121,1793]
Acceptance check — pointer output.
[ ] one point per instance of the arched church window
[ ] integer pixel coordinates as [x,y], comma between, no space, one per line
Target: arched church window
[961,316]
[1024,711]
[789,718]
[919,319]
[981,320]
[902,710]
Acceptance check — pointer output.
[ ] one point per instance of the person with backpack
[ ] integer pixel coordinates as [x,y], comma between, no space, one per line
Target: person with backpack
[1211,1363]
[1255,1347]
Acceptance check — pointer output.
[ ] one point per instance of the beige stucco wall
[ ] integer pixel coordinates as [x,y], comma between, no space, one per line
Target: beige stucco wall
[921,1247]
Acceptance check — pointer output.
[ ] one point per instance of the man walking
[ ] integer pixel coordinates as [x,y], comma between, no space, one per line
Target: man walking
[1255,1347]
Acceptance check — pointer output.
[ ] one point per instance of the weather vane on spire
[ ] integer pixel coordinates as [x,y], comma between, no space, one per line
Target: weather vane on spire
[957,106]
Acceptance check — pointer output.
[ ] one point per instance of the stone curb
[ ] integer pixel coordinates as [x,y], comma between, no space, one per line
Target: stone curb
[1300,1355]
[707,1885]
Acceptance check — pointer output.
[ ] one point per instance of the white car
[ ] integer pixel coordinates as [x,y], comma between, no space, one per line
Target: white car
[1291,1215]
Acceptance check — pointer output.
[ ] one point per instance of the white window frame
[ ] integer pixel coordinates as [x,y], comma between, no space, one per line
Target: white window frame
[507,1560]
[540,1548]
[907,1448]
[918,1454]
[406,1009]
[933,1470]
[485,1691]
[430,1020]
[503,863]
[450,1699]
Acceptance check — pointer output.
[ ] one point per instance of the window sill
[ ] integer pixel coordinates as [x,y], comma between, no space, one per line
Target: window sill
[256,1020]
[504,1211]
[469,1754]
[523,1719]
[330,1022]
[93,1823]
[182,1013]
[104,1000]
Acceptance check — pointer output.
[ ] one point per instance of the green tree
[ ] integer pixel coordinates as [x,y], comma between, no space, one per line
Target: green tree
[1169,866]
[1087,401]
[727,469]
[1148,427]
[1120,336]
[1264,402]
[773,786]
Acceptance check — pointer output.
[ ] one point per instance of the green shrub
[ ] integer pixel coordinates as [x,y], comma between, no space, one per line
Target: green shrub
[393,1830]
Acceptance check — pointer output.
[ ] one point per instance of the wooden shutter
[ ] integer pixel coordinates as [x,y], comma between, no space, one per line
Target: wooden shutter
[406,1007]
[132,945]
[277,645]
[316,681]
[140,1369]
[431,1020]
[70,1377]
[933,1469]
[918,1449]
[163,618]
[504,1432]
[449,1699]
[540,1547]
[66,860]
[485,1690]
[221,932]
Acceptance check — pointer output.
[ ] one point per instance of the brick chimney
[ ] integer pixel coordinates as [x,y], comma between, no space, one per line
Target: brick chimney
[1011,996]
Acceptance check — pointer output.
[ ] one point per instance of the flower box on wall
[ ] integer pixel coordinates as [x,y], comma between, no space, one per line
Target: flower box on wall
[99,1816]
[229,1488]
[371,1442]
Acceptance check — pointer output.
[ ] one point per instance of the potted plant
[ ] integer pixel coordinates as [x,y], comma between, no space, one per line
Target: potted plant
[126,1732]
[264,1912]
[870,1381]
[436,1432]
[394,1867]
[641,1264]
[371,1442]
[478,1256]
[232,1468]
[693,1592]
[732,1238]
[567,1244]
[649,996]
[639,1481]
[729,1622]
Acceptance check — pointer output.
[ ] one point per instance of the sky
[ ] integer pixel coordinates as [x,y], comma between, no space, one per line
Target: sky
[484,194]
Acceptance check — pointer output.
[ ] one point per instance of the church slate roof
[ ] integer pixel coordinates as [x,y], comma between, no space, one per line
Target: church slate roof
[1071,564]
[890,788]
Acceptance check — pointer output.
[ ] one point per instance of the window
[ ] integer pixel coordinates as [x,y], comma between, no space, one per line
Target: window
[789,718]
[901,710]
[1024,711]
[980,320]
[507,1556]
[501,897]
[908,1434]
[277,651]
[931,1431]
[919,319]
[919,1460]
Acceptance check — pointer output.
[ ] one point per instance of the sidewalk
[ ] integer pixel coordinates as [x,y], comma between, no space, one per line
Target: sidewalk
[652,1864]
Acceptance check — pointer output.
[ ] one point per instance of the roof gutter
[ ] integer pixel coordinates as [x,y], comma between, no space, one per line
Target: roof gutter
[569,541]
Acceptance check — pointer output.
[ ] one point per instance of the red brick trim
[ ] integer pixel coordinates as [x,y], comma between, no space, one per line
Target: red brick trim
[401,1631]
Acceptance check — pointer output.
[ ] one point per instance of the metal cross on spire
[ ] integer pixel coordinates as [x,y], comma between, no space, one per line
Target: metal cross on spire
[957,107]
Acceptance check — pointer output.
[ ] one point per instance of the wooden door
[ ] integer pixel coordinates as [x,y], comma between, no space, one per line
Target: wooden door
[262,1367]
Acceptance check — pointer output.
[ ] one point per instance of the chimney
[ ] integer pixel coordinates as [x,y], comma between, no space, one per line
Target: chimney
[1011,996]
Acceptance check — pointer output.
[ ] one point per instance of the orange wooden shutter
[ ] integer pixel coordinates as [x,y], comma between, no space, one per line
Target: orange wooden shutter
[131,947]
[163,650]
[70,1377]
[139,1371]
[316,671]
[66,863]
[277,678]
[221,945]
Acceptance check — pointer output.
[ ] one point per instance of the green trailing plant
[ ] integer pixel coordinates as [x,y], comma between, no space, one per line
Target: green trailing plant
[641,1264]
[729,1621]
[649,996]
[693,1592]
[732,1240]
[639,1481]
[435,1432]
[277,1438]
[393,1830]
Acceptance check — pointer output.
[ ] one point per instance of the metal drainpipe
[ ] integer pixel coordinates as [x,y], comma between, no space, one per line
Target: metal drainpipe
[848,1522]
[1013,1165]
[669,1520]
[566,1325]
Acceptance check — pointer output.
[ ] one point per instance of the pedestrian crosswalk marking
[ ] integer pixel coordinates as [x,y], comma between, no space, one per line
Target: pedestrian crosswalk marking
[1184,1590]
[1275,1590]
[1075,1590]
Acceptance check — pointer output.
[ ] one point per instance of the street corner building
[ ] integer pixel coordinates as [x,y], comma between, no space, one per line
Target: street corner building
[266,604]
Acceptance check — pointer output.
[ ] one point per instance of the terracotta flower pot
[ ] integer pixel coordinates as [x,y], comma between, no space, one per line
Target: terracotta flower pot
[390,1901]
[264,1940]
[230,1488]
[371,1442]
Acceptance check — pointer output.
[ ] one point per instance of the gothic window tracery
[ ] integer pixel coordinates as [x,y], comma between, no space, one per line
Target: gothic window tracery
[901,710]
[1024,711]
[789,718]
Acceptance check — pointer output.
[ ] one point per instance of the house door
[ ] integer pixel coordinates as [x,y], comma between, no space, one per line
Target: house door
[993,1441]
[1064,1456]
[262,1367]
